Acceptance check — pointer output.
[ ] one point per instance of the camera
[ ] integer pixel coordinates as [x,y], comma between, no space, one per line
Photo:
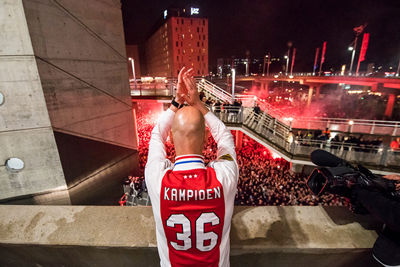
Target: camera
[338,176]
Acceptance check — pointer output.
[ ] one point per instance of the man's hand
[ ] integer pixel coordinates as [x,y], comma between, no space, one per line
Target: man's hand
[182,91]
[192,97]
[395,178]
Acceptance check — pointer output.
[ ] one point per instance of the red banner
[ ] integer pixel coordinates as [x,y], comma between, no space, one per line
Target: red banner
[323,53]
[364,46]
[293,58]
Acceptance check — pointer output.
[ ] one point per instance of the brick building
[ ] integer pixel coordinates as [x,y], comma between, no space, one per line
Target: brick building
[181,40]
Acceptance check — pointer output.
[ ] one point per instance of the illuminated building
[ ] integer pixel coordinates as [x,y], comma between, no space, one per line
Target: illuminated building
[181,40]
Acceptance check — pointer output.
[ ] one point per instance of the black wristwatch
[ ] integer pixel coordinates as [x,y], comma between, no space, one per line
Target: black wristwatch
[176,104]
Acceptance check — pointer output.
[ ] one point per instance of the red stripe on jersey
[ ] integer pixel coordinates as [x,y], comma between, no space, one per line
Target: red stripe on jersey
[189,157]
[192,211]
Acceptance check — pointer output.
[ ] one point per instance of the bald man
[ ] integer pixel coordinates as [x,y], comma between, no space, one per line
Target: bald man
[192,203]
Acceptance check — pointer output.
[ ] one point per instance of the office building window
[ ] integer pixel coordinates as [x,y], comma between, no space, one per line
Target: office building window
[182,21]
[176,43]
[177,58]
[204,37]
[204,22]
[198,44]
[197,29]
[191,22]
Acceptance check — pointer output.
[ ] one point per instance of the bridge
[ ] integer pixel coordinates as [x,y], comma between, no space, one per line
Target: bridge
[389,86]
[273,131]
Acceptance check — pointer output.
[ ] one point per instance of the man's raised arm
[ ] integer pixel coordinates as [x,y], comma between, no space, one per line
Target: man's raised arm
[157,153]
[220,133]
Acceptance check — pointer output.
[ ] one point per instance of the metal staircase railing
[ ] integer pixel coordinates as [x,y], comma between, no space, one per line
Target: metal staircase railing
[280,135]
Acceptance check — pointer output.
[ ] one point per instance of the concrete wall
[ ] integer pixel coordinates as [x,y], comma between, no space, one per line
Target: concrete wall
[25,128]
[122,236]
[80,50]
[63,72]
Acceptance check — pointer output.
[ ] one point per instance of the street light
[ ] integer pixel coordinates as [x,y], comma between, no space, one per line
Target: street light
[133,71]
[233,83]
[287,63]
[350,48]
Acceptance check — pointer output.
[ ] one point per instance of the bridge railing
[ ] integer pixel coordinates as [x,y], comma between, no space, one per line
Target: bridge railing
[346,125]
[280,136]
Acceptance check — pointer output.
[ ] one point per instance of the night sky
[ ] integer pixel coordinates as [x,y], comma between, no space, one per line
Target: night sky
[261,26]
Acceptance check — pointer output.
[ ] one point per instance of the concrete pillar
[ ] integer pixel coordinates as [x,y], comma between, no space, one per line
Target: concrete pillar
[389,105]
[310,94]
[266,89]
[317,91]
[239,139]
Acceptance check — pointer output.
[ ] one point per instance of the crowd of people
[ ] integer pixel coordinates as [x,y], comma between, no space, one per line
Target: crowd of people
[264,180]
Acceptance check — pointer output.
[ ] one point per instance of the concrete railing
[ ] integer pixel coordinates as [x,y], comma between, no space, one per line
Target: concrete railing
[125,236]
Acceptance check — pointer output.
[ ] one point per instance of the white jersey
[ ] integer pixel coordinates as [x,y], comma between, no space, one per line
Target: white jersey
[192,204]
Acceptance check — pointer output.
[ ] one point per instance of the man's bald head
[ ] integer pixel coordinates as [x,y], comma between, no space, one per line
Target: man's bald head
[188,130]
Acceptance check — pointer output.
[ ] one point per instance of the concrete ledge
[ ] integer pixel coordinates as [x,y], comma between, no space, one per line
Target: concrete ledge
[118,236]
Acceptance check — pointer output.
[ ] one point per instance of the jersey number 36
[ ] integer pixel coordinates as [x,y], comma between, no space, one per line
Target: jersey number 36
[201,236]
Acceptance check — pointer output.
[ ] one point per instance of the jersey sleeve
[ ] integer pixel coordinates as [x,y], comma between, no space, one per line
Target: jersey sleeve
[157,161]
[225,165]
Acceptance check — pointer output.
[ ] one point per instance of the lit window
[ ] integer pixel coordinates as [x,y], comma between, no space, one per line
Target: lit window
[191,50]
[183,36]
[191,36]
